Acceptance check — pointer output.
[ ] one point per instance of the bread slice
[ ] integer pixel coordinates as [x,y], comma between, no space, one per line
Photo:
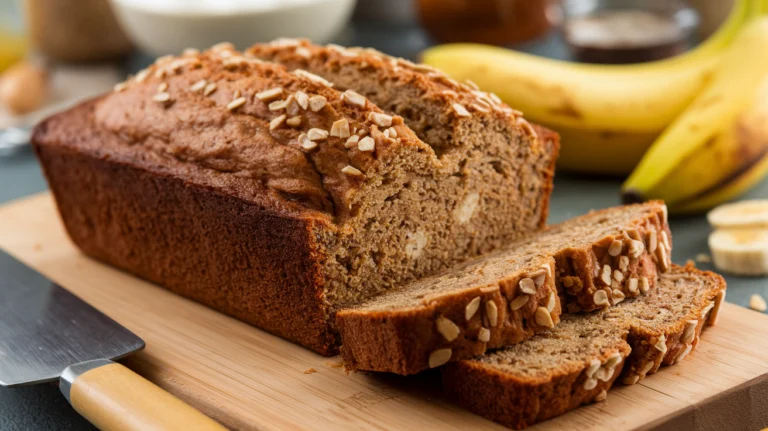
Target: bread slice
[239,184]
[598,259]
[578,361]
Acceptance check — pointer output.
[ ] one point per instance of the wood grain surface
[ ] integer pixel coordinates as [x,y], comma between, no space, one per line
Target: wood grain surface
[249,379]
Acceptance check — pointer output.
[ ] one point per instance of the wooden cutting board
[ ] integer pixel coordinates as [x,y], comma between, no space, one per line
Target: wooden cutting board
[248,379]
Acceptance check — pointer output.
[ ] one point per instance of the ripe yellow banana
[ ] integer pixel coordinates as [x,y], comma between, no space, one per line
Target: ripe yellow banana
[12,49]
[608,114]
[721,137]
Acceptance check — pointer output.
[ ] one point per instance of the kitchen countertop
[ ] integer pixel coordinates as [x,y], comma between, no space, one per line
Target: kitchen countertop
[42,407]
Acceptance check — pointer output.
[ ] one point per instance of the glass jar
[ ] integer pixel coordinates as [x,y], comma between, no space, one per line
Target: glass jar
[496,22]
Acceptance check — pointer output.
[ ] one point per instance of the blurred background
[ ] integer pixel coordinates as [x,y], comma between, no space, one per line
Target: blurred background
[654,99]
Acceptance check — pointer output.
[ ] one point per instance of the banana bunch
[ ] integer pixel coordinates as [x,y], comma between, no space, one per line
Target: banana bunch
[607,115]
[718,147]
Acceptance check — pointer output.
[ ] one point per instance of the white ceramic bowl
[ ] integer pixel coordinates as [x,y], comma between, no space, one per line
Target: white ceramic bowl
[168,26]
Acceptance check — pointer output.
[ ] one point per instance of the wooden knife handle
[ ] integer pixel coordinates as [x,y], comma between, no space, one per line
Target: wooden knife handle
[114,398]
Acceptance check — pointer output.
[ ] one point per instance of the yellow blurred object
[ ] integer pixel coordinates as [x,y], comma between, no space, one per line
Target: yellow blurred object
[13,47]
[714,150]
[608,114]
[23,88]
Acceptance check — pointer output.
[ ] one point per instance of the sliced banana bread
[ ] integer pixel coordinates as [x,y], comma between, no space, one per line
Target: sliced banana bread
[578,361]
[275,198]
[597,262]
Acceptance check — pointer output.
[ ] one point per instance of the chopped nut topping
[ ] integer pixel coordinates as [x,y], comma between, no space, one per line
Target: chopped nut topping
[285,42]
[392,132]
[472,308]
[594,365]
[618,275]
[644,285]
[163,98]
[689,333]
[162,87]
[605,276]
[340,128]
[450,93]
[142,75]
[615,248]
[277,122]
[316,134]
[366,144]
[661,344]
[271,94]
[303,52]
[209,89]
[632,285]
[306,143]
[665,239]
[460,110]
[317,103]
[471,84]
[380,119]
[484,335]
[602,395]
[548,269]
[518,302]
[190,51]
[528,286]
[302,99]
[439,357]
[447,328]
[312,77]
[223,46]
[495,98]
[479,107]
[590,384]
[652,241]
[617,296]
[543,318]
[601,298]
[197,86]
[341,50]
[636,248]
[233,62]
[527,128]
[352,141]
[236,94]
[294,121]
[661,254]
[352,171]
[120,86]
[623,263]
[240,101]
[492,311]
[551,302]
[279,104]
[353,98]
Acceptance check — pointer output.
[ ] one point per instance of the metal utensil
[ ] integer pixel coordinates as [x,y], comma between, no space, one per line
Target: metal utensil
[48,334]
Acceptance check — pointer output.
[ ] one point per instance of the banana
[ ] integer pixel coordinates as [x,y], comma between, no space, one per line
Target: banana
[740,251]
[12,49]
[745,214]
[729,190]
[608,114]
[721,136]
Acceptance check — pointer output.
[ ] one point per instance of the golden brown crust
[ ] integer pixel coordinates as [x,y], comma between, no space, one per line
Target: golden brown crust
[266,268]
[457,325]
[518,402]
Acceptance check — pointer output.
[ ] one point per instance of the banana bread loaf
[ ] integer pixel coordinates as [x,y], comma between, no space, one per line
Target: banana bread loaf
[277,199]
[594,257]
[578,361]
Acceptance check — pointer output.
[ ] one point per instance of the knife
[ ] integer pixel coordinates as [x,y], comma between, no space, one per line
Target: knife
[48,334]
